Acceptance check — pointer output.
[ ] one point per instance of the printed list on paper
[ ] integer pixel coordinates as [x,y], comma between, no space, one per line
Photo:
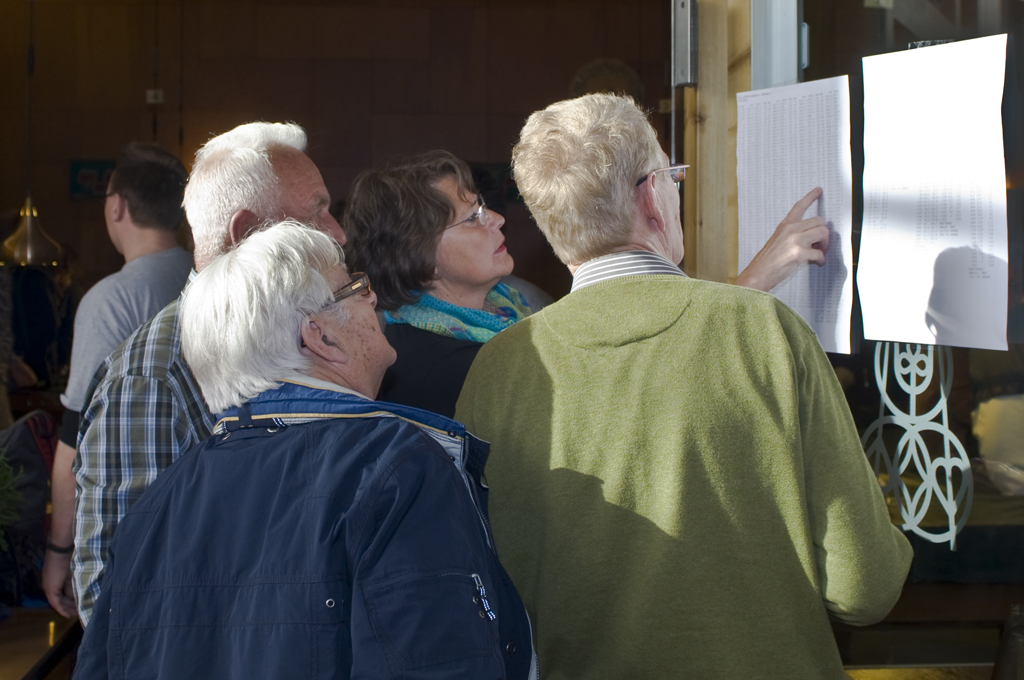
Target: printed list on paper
[788,141]
[933,257]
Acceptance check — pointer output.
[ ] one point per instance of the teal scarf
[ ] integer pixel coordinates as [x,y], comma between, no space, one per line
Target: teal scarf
[502,308]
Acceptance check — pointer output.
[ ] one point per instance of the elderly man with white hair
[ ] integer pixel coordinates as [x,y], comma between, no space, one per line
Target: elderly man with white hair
[677,484]
[143,407]
[317,533]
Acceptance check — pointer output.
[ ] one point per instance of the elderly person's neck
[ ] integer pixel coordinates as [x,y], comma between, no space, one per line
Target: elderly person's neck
[344,377]
[648,234]
[352,354]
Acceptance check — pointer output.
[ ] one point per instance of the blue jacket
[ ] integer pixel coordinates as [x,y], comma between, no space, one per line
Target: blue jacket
[316,534]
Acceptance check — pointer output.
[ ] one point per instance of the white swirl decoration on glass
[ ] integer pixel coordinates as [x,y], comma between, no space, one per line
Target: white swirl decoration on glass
[933,489]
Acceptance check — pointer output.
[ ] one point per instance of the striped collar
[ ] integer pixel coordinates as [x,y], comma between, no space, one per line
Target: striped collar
[631,263]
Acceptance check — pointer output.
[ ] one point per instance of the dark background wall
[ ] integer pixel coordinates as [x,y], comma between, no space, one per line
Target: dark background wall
[368,80]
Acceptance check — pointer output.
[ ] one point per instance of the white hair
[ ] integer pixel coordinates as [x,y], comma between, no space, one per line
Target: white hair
[241,315]
[576,166]
[232,172]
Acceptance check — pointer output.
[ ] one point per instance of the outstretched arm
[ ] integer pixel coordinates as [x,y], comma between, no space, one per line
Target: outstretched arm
[796,242]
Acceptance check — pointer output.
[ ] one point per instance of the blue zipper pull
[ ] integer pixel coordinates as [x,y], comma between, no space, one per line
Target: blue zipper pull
[483,597]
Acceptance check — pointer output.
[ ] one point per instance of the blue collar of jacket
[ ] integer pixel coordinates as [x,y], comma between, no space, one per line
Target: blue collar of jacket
[294,403]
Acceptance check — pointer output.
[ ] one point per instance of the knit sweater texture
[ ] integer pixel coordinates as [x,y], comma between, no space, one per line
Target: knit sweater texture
[677,485]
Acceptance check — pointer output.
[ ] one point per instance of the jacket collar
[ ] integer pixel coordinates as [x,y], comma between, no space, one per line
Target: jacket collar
[615,265]
[302,400]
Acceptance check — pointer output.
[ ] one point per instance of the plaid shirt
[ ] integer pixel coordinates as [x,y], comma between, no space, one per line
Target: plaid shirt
[144,410]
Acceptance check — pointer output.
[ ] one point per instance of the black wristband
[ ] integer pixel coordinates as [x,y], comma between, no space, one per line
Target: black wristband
[69,428]
[57,549]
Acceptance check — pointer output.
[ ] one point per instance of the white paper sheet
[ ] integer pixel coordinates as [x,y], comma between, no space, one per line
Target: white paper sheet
[933,247]
[788,141]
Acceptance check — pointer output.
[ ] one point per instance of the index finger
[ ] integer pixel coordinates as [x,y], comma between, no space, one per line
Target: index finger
[801,206]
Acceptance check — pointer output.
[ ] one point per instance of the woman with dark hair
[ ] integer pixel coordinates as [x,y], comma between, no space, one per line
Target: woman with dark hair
[435,256]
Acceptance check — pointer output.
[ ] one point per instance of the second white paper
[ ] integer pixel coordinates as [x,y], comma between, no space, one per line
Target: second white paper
[789,140]
[933,248]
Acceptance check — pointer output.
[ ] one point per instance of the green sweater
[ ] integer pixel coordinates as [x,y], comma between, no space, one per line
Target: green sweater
[677,486]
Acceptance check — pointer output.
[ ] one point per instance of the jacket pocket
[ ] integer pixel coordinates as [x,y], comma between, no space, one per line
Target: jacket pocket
[428,618]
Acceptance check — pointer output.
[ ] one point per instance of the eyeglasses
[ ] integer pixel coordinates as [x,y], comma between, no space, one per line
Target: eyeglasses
[478,215]
[676,172]
[360,283]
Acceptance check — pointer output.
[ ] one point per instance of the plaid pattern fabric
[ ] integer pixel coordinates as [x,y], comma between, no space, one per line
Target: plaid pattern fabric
[144,410]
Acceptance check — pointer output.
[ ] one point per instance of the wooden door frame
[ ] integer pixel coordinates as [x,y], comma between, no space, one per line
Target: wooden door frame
[708,139]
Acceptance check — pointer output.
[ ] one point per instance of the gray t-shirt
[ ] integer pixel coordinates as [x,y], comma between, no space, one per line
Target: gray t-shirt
[115,307]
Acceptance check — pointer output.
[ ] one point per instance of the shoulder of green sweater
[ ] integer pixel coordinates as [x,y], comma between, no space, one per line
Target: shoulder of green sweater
[756,300]
[630,285]
[654,289]
[762,310]
[726,301]
[510,336]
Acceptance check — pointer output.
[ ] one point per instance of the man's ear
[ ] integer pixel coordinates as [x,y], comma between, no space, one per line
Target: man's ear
[320,343]
[119,208]
[241,224]
[652,205]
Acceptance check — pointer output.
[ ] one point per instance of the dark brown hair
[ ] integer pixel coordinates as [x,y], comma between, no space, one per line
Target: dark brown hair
[152,183]
[394,220]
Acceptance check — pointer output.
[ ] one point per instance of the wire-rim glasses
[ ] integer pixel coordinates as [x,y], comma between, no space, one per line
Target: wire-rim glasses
[478,214]
[676,172]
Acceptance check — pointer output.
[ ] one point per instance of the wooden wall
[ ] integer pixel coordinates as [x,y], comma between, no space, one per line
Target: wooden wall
[367,79]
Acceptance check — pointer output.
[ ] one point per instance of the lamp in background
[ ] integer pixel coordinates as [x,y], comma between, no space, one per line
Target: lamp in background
[29,244]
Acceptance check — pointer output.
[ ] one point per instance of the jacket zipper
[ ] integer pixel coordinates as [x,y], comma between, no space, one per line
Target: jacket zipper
[483,597]
[475,495]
